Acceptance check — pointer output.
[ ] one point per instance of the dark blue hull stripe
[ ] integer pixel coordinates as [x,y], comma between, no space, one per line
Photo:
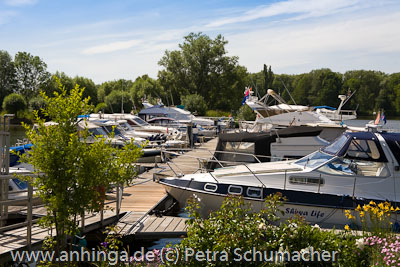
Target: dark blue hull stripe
[292,196]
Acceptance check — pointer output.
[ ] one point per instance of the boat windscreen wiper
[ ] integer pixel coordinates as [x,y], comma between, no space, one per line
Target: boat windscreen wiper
[305,165]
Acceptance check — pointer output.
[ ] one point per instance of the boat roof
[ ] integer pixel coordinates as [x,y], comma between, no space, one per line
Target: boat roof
[344,143]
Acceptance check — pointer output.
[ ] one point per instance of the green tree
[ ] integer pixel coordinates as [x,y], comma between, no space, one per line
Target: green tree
[146,87]
[194,103]
[14,103]
[368,85]
[202,67]
[71,175]
[302,85]
[325,87]
[8,82]
[107,87]
[31,74]
[117,101]
[90,88]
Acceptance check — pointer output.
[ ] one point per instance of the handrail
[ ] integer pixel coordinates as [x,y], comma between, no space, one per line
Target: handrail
[263,185]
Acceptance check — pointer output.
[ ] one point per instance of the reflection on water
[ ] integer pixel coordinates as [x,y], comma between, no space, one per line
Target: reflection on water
[17,132]
[391,125]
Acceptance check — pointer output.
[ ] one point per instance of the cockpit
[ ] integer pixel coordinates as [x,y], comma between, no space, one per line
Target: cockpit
[350,154]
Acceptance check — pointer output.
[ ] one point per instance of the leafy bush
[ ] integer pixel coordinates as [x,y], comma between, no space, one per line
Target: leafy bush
[246,113]
[194,103]
[14,103]
[234,229]
[217,113]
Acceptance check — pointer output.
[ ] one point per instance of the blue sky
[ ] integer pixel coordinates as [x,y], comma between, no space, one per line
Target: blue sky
[108,40]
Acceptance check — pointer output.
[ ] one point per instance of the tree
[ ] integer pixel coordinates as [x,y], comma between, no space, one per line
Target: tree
[71,175]
[107,87]
[202,67]
[8,82]
[117,101]
[194,103]
[146,87]
[367,84]
[90,88]
[31,74]
[14,103]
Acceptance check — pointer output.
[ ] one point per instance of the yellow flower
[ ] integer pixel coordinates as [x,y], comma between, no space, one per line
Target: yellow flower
[362,214]
[358,208]
[391,208]
[366,207]
[347,228]
[397,208]
[372,203]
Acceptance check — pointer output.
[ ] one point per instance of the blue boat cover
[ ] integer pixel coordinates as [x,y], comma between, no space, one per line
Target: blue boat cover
[327,107]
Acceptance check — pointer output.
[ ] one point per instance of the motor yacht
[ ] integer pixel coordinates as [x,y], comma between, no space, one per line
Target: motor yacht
[358,167]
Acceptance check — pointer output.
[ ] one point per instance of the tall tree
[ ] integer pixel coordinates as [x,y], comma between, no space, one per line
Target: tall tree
[367,84]
[31,73]
[107,87]
[201,66]
[146,87]
[8,82]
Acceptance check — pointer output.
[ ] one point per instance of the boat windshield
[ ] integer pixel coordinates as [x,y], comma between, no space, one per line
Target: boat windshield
[98,131]
[336,146]
[126,126]
[141,122]
[110,129]
[22,185]
[314,159]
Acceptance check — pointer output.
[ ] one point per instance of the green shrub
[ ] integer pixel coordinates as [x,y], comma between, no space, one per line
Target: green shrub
[234,229]
[217,113]
[101,107]
[246,113]
[14,103]
[194,103]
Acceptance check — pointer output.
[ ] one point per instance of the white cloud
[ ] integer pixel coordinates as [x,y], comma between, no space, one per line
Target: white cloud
[20,2]
[111,47]
[299,8]
[342,44]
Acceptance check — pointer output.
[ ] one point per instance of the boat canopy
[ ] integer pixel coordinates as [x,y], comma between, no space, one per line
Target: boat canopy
[326,107]
[393,140]
[359,145]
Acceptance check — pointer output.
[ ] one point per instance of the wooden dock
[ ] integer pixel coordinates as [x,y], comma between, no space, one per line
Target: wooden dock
[145,226]
[139,200]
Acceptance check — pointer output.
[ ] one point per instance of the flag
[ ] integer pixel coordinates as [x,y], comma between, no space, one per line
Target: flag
[378,118]
[383,118]
[246,95]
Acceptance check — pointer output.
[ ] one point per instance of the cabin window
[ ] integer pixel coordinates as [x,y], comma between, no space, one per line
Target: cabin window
[254,192]
[210,187]
[306,180]
[363,149]
[235,190]
[343,166]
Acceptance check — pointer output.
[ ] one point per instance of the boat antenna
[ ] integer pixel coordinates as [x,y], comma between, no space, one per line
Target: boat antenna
[287,90]
[348,98]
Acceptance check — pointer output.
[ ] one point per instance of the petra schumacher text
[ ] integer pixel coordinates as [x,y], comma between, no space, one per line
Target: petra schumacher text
[255,255]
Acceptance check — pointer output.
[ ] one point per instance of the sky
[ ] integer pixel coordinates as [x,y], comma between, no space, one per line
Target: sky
[108,40]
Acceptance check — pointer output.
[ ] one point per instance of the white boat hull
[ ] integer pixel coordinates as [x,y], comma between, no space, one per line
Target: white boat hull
[323,216]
